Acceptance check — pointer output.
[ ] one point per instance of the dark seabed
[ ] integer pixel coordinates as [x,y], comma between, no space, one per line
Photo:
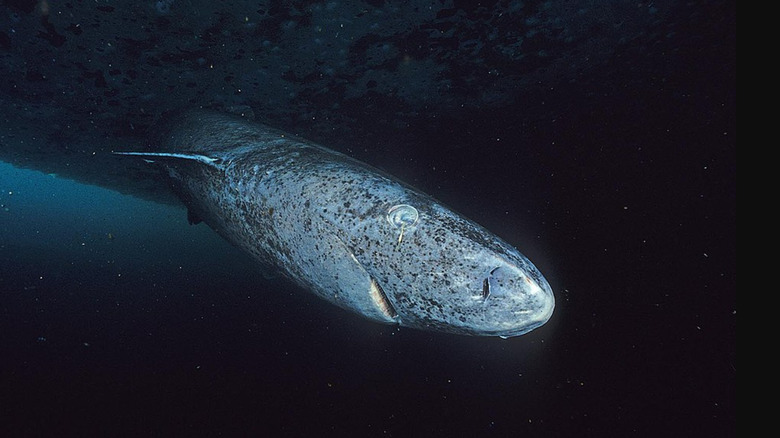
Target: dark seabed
[597,137]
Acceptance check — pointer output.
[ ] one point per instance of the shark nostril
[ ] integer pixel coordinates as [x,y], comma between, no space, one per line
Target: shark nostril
[500,281]
[485,289]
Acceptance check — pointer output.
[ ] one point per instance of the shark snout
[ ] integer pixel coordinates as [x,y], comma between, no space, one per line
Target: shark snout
[522,300]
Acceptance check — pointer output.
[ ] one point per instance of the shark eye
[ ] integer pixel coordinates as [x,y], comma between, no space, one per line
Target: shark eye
[402,216]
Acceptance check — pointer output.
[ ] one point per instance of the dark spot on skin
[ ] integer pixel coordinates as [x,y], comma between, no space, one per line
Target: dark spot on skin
[51,35]
[34,76]
[75,29]
[5,41]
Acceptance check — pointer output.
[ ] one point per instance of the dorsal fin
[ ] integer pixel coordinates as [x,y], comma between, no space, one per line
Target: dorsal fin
[205,159]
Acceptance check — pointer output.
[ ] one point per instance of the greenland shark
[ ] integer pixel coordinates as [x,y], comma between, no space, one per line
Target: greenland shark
[351,234]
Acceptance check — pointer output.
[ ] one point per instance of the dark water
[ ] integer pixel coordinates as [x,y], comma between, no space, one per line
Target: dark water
[118,318]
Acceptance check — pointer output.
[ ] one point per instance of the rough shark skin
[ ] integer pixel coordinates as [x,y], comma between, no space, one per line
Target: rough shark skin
[351,234]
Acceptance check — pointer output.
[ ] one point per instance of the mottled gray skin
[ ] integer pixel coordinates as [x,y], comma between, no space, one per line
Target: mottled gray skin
[321,218]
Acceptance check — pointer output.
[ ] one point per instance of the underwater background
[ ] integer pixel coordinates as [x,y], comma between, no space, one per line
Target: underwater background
[598,137]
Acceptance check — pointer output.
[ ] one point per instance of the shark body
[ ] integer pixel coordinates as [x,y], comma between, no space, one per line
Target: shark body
[349,233]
